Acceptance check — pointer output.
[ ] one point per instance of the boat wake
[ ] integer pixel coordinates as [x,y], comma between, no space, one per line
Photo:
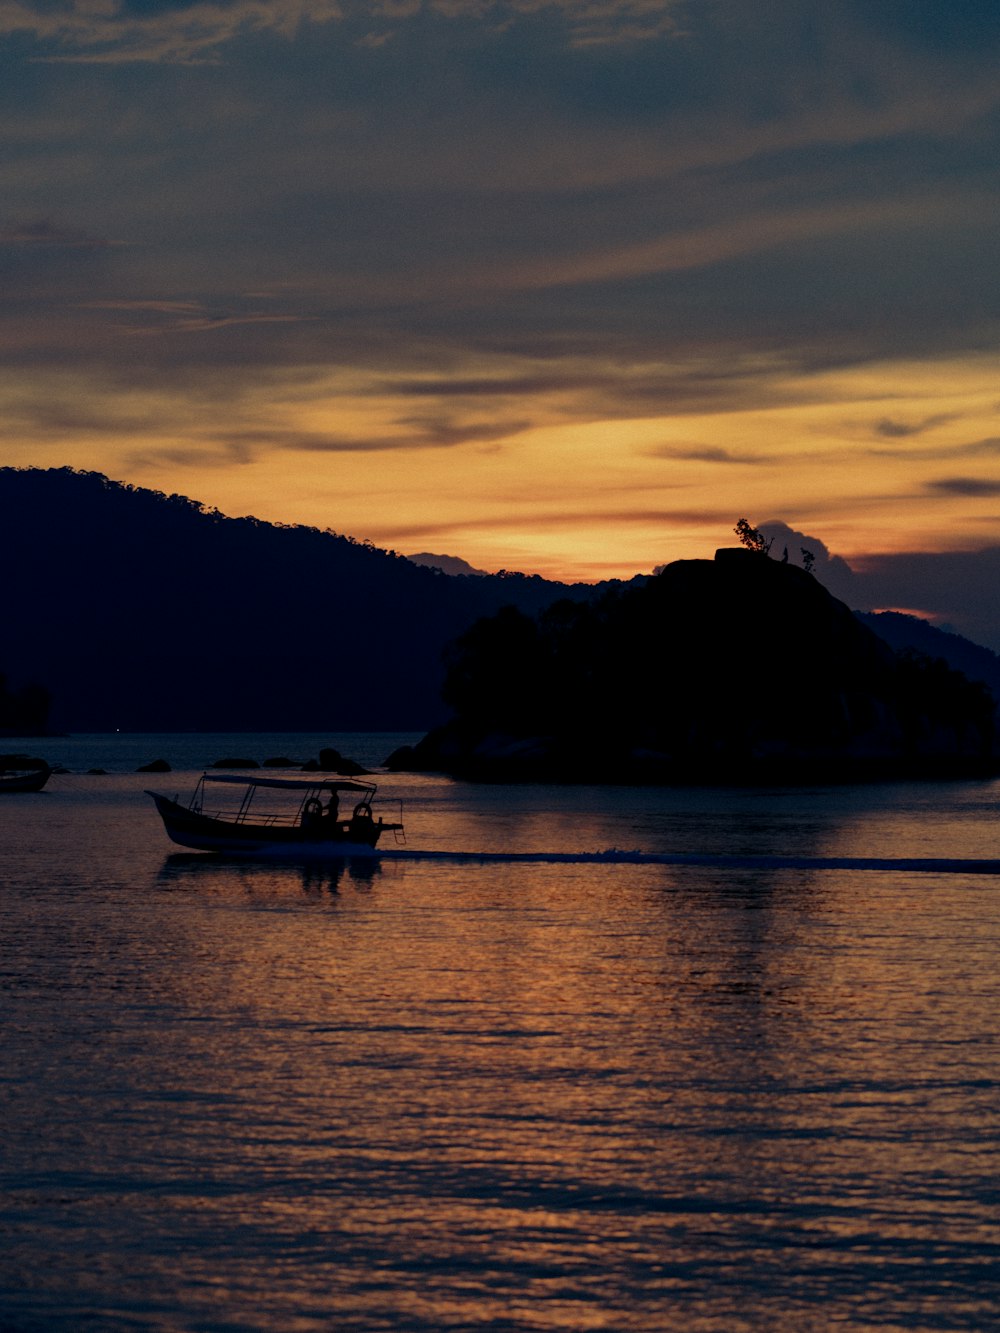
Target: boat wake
[616,856]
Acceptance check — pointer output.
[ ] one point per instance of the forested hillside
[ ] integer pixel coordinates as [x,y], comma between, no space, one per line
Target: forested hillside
[737,670]
[142,611]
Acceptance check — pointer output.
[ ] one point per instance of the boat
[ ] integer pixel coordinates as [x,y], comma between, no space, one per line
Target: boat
[304,816]
[26,779]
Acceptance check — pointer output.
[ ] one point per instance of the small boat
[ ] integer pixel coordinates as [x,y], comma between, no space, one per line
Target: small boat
[307,821]
[27,779]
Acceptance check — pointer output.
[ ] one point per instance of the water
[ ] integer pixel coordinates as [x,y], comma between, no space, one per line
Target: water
[491,1080]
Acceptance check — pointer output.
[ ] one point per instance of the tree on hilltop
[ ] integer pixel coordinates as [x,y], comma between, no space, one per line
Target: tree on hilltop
[752,538]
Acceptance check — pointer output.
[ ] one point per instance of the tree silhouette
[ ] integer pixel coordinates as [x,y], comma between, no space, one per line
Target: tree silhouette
[751,538]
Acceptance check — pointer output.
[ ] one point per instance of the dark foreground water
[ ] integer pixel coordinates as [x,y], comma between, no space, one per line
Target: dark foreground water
[529,1092]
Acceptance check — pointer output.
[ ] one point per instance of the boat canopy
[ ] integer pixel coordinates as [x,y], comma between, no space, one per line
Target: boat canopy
[291,784]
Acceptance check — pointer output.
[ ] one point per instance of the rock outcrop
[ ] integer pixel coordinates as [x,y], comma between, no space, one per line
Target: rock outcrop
[738,670]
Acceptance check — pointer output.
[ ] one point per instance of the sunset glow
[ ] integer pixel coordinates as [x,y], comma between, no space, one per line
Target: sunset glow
[556,288]
[880,459]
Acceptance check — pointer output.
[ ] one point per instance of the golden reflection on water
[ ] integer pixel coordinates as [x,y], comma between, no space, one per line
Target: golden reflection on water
[419,1095]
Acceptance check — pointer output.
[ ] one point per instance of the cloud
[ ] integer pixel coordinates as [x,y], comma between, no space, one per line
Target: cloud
[588,22]
[588,384]
[709,454]
[440,432]
[415,433]
[831,570]
[951,587]
[392,225]
[198,457]
[47,235]
[173,308]
[672,197]
[987,447]
[120,32]
[46,264]
[970,486]
[186,316]
[898,430]
[248,445]
[64,415]
[544,519]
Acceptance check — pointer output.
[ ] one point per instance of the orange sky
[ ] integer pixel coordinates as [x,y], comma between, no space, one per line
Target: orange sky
[552,286]
[885,458]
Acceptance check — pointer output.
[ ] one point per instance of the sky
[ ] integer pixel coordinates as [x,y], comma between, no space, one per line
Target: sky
[558,286]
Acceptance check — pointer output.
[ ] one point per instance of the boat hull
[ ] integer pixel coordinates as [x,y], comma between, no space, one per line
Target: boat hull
[19,782]
[203,833]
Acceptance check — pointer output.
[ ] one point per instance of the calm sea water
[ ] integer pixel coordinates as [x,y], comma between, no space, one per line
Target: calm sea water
[452,1090]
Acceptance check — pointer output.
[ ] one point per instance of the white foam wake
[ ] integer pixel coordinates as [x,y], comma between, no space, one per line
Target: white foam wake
[614,855]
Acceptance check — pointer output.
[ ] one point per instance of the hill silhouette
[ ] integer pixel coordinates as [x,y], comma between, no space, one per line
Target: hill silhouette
[902,631]
[736,670]
[136,610]
[150,612]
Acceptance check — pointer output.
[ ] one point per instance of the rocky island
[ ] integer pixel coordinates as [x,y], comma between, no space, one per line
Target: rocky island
[735,670]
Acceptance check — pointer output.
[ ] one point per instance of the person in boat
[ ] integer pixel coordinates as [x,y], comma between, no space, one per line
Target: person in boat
[333,809]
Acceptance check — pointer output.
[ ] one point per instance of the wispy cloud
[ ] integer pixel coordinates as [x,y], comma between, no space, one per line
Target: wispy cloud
[200,458]
[987,447]
[414,433]
[711,454]
[188,316]
[968,486]
[901,430]
[545,519]
[250,444]
[117,33]
[46,235]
